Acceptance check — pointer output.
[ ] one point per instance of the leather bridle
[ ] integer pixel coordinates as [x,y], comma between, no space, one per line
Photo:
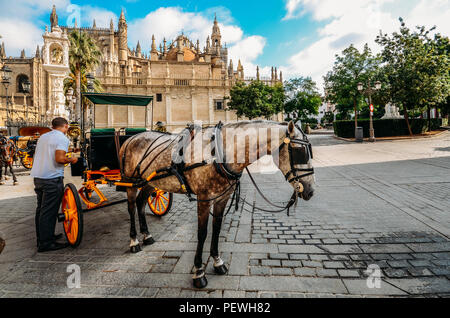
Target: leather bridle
[298,156]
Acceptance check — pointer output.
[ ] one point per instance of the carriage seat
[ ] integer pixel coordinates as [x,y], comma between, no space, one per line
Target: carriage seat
[102,150]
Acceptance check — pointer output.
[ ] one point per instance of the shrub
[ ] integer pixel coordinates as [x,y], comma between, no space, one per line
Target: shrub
[386,127]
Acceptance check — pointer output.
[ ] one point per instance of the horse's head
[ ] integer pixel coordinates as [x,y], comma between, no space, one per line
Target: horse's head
[295,161]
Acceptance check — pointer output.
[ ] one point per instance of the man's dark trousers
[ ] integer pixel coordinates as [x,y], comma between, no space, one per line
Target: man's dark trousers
[49,196]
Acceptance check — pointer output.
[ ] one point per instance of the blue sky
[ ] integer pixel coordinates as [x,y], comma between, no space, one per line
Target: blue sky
[300,37]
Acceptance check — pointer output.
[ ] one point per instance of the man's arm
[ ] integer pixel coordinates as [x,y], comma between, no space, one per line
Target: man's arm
[60,157]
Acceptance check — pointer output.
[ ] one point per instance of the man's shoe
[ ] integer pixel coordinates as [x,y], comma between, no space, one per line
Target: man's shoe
[52,247]
[58,236]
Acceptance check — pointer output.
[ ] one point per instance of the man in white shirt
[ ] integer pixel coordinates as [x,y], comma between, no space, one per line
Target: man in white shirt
[48,173]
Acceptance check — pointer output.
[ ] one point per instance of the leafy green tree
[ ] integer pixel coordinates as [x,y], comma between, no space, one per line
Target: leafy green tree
[256,99]
[84,56]
[303,98]
[341,83]
[416,67]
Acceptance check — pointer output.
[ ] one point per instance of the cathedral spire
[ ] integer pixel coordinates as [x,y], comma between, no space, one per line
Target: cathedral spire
[22,54]
[138,49]
[122,16]
[53,18]
[165,47]
[216,37]
[94,25]
[153,44]
[111,25]
[208,46]
[2,51]
[38,52]
[257,73]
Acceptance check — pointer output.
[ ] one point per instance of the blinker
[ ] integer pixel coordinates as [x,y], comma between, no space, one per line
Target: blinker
[300,155]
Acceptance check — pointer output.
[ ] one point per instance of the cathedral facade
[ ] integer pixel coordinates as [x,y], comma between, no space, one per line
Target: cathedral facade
[189,83]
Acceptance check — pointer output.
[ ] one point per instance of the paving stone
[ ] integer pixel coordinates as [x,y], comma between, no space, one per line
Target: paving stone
[281,271]
[260,271]
[361,257]
[422,286]
[347,273]
[440,271]
[239,264]
[339,257]
[420,263]
[271,262]
[420,272]
[285,263]
[321,272]
[395,273]
[333,265]
[401,256]
[318,257]
[360,287]
[398,264]
[298,256]
[293,284]
[304,271]
[279,256]
[312,264]
[385,248]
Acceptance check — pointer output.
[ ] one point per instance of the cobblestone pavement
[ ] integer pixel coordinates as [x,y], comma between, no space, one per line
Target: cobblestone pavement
[384,204]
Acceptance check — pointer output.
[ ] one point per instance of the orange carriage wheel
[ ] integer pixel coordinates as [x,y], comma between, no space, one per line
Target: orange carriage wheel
[73,221]
[27,161]
[160,202]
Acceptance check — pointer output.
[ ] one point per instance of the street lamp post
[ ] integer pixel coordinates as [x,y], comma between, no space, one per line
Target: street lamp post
[369,91]
[6,80]
[90,88]
[26,88]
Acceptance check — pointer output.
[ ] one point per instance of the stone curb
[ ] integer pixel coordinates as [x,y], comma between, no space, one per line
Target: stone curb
[393,138]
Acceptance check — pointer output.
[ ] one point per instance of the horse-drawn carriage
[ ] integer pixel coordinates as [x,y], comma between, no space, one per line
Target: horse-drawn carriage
[99,165]
[25,144]
[149,161]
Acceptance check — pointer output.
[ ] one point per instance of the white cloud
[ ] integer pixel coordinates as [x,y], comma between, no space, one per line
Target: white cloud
[18,35]
[102,17]
[355,22]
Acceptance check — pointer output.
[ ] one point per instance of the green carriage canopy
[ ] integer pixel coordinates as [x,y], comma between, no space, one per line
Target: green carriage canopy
[118,99]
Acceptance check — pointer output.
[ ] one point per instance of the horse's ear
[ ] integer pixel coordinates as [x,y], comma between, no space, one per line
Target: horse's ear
[291,128]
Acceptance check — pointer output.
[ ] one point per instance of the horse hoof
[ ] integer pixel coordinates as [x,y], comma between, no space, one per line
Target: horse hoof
[201,282]
[135,249]
[16,183]
[221,270]
[149,241]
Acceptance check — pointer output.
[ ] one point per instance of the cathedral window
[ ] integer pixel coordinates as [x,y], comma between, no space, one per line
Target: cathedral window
[20,80]
[159,98]
[219,105]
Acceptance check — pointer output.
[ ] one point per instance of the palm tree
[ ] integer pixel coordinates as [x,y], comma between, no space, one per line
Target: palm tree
[84,56]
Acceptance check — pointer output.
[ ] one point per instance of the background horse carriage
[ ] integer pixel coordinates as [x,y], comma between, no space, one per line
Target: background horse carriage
[99,164]
[25,144]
